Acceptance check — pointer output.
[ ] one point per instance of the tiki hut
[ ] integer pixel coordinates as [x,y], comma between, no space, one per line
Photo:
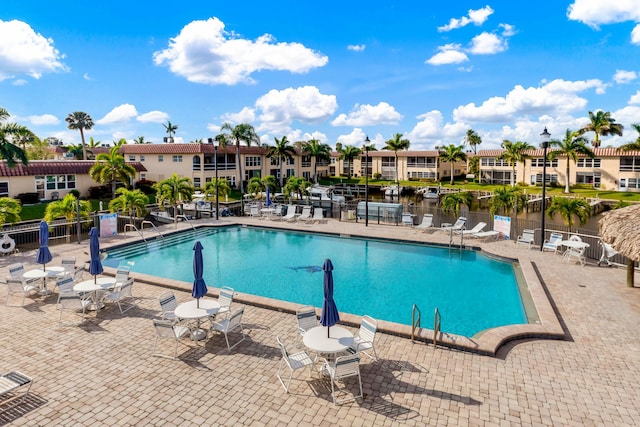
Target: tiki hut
[621,229]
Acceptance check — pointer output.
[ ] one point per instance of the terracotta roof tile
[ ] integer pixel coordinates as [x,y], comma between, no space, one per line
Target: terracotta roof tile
[53,167]
[186,149]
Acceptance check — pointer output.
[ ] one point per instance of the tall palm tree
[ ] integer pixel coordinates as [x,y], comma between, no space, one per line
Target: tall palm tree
[513,153]
[472,139]
[348,153]
[571,146]
[9,132]
[396,144]
[283,151]
[452,153]
[79,120]
[10,209]
[170,129]
[23,136]
[506,200]
[451,202]
[602,124]
[296,185]
[568,209]
[110,168]
[259,185]
[174,190]
[318,151]
[635,145]
[133,202]
[66,207]
[238,134]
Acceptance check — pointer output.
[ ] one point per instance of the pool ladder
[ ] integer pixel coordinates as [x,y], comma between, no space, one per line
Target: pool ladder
[152,226]
[415,323]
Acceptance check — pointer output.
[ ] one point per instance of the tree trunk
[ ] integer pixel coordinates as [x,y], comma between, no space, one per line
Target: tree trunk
[630,272]
[566,185]
[84,147]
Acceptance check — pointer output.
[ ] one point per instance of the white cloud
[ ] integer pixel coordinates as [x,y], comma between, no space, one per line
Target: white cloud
[355,138]
[508,30]
[86,76]
[596,12]
[635,98]
[305,104]
[44,119]
[555,97]
[23,51]
[623,76]
[368,115]
[204,52]
[357,47]
[477,17]
[153,117]
[635,34]
[487,44]
[19,82]
[246,115]
[119,114]
[432,129]
[449,54]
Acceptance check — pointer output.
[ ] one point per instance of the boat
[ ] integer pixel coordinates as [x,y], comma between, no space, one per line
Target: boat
[392,191]
[429,192]
[324,193]
[162,217]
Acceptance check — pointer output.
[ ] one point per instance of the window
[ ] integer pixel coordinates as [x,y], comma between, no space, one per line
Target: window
[630,164]
[59,182]
[495,177]
[177,159]
[291,161]
[4,189]
[429,175]
[143,176]
[291,172]
[588,163]
[591,178]
[132,158]
[275,161]
[196,182]
[160,158]
[141,158]
[421,162]
[493,162]
[250,161]
[306,161]
[538,163]
[306,175]
[536,179]
[633,183]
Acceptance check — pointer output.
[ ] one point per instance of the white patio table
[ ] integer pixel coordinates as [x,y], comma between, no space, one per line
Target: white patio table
[39,273]
[94,286]
[190,310]
[339,340]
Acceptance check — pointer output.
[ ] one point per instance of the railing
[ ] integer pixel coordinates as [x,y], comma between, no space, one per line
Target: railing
[436,326]
[135,228]
[152,226]
[186,219]
[415,322]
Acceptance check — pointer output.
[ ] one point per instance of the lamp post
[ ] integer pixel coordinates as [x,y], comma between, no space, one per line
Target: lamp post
[545,137]
[366,181]
[215,163]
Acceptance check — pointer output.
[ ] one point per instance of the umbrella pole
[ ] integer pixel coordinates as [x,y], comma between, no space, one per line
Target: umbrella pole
[328,331]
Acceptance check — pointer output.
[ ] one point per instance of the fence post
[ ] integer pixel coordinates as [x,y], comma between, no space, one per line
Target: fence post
[78,226]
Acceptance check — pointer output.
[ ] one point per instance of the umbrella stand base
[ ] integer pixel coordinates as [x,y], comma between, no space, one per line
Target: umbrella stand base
[198,334]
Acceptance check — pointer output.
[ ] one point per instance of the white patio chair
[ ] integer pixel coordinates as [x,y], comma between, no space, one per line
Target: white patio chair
[122,295]
[476,229]
[73,302]
[168,304]
[407,219]
[16,270]
[69,264]
[225,298]
[294,361]
[364,340]
[254,211]
[18,286]
[166,329]
[577,253]
[305,215]
[458,225]
[318,216]
[226,326]
[553,244]
[9,383]
[527,238]
[122,274]
[343,367]
[65,284]
[291,213]
[306,318]
[607,253]
[427,222]
[77,274]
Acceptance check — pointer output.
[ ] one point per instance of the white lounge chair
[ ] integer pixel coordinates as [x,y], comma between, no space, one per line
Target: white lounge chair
[305,215]
[318,216]
[427,222]
[9,383]
[553,244]
[459,225]
[476,229]
[407,219]
[294,361]
[527,238]
[485,234]
[291,213]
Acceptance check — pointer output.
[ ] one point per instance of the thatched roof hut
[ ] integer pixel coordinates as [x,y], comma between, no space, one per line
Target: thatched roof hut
[621,229]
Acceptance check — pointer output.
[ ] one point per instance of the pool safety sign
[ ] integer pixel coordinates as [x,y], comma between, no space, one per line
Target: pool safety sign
[503,225]
[108,225]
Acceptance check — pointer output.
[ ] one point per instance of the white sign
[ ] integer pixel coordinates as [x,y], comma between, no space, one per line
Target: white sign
[503,225]
[108,225]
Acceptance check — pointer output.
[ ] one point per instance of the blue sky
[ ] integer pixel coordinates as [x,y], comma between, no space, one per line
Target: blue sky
[334,71]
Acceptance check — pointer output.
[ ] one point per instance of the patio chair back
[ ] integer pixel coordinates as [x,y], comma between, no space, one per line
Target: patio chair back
[344,367]
[225,299]
[77,274]
[65,284]
[72,302]
[121,294]
[69,264]
[307,319]
[122,274]
[165,329]
[168,304]
[16,270]
[17,286]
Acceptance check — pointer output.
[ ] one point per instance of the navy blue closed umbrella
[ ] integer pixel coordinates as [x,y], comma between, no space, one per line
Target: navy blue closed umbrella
[268,197]
[44,255]
[199,286]
[95,265]
[329,316]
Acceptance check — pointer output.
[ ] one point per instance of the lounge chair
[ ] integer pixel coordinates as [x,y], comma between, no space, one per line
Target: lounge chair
[459,225]
[485,234]
[607,253]
[476,229]
[407,219]
[305,215]
[553,244]
[318,216]
[427,222]
[527,238]
[291,213]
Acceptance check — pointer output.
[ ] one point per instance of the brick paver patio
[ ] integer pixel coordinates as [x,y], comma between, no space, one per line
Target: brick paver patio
[102,373]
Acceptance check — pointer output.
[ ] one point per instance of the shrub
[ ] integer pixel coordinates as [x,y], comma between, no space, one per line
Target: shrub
[75,193]
[377,175]
[146,186]
[100,192]
[28,198]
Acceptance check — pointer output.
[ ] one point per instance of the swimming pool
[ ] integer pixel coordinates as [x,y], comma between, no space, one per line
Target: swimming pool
[380,278]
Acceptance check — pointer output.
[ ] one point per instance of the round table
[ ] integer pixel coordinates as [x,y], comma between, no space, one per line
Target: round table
[94,286]
[41,273]
[339,340]
[196,310]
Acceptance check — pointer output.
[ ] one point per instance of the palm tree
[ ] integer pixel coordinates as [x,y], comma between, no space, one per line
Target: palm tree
[79,120]
[473,139]
[170,129]
[10,210]
[132,202]
[571,146]
[258,185]
[111,168]
[66,207]
[237,134]
[396,144]
[348,153]
[451,202]
[569,208]
[93,143]
[174,190]
[318,151]
[513,153]
[602,124]
[23,136]
[635,145]
[452,153]
[296,185]
[39,149]
[77,151]
[210,189]
[281,150]
[506,200]
[140,140]
[9,132]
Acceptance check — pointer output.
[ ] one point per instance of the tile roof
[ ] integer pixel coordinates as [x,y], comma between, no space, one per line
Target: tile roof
[194,148]
[54,167]
[539,152]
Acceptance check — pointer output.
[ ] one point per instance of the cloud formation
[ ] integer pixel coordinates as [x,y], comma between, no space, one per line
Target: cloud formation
[23,51]
[357,47]
[153,117]
[305,104]
[369,115]
[448,54]
[623,76]
[44,119]
[476,17]
[205,53]
[120,114]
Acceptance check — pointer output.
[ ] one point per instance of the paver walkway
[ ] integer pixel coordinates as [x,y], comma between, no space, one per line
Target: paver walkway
[103,373]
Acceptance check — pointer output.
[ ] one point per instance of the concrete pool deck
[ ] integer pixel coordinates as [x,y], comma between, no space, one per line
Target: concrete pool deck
[103,373]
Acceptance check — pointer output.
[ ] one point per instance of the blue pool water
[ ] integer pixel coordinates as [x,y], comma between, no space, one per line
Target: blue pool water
[379,278]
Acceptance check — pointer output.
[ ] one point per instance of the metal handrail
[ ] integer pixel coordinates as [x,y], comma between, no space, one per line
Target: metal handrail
[152,226]
[415,322]
[184,217]
[436,326]
[135,228]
